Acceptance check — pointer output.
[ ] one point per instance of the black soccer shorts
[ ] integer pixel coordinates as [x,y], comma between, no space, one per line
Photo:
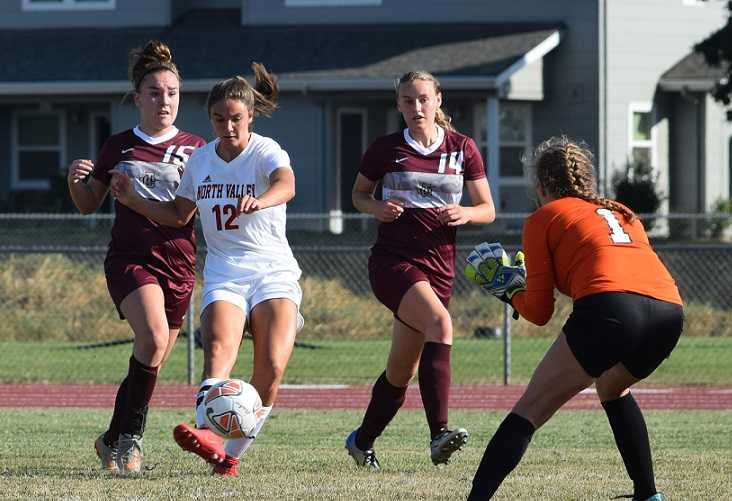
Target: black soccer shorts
[610,327]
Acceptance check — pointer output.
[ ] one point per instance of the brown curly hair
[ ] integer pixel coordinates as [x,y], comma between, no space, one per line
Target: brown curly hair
[154,56]
[563,168]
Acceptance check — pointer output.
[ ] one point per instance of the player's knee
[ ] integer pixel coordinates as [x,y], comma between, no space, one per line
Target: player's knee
[609,390]
[438,329]
[150,347]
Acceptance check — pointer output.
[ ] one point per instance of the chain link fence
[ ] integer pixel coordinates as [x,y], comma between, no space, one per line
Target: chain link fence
[53,294]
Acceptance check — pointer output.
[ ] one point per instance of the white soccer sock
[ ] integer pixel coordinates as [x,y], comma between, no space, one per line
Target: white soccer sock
[202,390]
[238,446]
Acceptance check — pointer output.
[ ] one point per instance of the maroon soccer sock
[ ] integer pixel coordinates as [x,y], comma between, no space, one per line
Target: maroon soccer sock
[141,383]
[386,399]
[434,384]
[120,401]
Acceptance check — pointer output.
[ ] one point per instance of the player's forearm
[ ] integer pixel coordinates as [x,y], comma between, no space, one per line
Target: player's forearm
[277,194]
[482,213]
[161,212]
[364,202]
[536,307]
[83,197]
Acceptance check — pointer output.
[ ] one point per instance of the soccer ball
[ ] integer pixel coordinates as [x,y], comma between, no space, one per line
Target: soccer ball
[231,408]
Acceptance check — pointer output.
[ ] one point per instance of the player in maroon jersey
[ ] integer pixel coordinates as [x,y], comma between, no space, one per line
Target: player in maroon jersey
[150,268]
[412,264]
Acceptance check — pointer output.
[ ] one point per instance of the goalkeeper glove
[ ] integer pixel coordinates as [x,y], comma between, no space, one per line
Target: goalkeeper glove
[490,267]
[484,262]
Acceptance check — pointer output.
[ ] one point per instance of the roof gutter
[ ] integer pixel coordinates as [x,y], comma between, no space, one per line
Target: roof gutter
[686,85]
[538,52]
[303,85]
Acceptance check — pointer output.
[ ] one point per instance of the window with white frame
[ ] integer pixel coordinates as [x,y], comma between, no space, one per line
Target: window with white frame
[69,4]
[331,3]
[640,134]
[37,149]
[514,142]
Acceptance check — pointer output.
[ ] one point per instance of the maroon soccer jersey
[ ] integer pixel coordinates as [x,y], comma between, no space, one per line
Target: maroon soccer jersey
[424,179]
[154,166]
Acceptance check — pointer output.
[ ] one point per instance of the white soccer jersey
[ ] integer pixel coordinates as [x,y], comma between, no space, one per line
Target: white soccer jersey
[251,245]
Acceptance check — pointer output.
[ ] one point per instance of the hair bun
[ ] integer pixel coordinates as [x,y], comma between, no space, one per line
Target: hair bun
[153,56]
[155,49]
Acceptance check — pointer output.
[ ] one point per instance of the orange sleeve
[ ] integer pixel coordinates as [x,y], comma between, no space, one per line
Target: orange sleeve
[536,302]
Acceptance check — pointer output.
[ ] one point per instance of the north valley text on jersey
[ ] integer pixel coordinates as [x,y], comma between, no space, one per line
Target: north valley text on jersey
[217,190]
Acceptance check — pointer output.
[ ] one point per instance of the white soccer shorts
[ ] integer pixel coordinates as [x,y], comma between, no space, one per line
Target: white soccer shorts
[248,294]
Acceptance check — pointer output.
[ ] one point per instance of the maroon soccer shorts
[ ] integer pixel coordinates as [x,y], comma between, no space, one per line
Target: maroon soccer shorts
[392,276]
[124,277]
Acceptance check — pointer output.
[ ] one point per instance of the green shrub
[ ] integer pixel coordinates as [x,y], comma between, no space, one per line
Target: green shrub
[717,226]
[636,189]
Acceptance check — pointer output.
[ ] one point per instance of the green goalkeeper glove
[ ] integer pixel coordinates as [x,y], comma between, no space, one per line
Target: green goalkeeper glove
[490,267]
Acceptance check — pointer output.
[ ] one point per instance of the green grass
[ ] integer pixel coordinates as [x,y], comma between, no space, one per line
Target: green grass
[48,454]
[696,361]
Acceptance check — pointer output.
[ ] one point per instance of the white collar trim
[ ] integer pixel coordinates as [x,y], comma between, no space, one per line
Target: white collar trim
[155,140]
[425,150]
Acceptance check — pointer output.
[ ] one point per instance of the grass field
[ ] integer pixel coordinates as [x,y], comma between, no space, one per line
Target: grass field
[697,361]
[48,454]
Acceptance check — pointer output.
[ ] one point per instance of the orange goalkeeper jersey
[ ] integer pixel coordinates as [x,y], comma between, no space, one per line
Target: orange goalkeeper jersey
[580,248]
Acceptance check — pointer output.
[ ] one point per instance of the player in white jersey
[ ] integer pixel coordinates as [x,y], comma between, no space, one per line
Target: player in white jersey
[239,184]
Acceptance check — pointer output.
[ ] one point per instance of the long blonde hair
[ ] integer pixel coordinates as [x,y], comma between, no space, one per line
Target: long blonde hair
[260,99]
[441,118]
[564,168]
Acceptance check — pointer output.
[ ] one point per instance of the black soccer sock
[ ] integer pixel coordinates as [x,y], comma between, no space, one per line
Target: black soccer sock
[141,384]
[631,437]
[120,401]
[434,384]
[501,456]
[386,399]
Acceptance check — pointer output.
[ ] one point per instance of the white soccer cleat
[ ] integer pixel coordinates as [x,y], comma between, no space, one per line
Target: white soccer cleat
[365,459]
[446,443]
[129,454]
[107,455]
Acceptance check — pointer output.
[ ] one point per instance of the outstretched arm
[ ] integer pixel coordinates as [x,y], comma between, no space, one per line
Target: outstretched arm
[175,213]
[281,190]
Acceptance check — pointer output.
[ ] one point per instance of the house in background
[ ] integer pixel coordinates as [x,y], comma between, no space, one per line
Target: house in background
[513,73]
[699,135]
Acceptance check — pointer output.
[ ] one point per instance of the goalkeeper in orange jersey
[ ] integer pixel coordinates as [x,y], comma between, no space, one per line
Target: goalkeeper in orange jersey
[626,319]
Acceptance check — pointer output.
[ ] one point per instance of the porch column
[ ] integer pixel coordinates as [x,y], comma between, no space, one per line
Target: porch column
[492,143]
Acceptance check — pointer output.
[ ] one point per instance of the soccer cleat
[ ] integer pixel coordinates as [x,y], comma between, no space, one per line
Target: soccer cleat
[446,443]
[200,441]
[656,497]
[300,323]
[228,467]
[365,459]
[107,455]
[129,454]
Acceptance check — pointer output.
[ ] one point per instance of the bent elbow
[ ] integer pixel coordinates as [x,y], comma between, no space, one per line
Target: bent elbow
[491,215]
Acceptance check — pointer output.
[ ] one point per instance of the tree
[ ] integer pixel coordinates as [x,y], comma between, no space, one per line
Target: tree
[717,51]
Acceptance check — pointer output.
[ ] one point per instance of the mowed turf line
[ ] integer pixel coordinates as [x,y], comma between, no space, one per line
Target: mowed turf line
[48,454]
[696,361]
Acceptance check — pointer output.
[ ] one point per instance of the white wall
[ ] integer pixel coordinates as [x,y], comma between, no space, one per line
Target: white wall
[644,39]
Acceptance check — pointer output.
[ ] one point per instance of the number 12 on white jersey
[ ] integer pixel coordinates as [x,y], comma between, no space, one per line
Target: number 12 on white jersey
[617,234]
